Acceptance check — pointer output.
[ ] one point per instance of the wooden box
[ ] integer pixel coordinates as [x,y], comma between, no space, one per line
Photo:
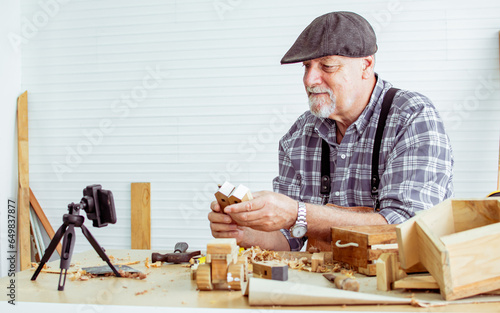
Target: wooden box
[360,246]
[457,242]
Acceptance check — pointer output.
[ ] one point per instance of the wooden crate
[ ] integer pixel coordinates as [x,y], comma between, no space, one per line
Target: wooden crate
[457,242]
[371,242]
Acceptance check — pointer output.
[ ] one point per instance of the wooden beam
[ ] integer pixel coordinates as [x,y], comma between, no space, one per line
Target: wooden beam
[43,218]
[141,215]
[23,195]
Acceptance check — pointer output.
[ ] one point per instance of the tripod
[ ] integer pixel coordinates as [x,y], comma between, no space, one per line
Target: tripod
[67,229]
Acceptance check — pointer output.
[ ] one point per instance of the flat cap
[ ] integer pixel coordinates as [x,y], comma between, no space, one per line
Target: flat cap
[336,33]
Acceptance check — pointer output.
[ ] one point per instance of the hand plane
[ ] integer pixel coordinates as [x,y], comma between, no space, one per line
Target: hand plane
[178,256]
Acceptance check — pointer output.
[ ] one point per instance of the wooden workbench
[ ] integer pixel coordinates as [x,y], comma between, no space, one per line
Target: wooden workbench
[170,286]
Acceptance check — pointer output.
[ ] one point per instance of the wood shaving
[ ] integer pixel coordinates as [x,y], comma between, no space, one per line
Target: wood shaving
[256,254]
[128,263]
[140,293]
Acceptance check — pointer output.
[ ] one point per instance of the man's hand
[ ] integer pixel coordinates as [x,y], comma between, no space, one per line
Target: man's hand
[268,211]
[223,226]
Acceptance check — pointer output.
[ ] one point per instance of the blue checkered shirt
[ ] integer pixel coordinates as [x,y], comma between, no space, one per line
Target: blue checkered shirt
[415,164]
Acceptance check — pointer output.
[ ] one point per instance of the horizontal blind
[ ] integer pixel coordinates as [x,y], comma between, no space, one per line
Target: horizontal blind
[188,94]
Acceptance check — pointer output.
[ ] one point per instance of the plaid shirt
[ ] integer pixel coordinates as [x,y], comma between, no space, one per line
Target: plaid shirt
[415,163]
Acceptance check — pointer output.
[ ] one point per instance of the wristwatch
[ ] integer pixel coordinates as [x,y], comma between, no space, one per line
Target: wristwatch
[300,228]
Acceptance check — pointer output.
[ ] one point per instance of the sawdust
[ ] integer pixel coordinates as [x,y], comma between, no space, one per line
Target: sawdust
[256,254]
[149,264]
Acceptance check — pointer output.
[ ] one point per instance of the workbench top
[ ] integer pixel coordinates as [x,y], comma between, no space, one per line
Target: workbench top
[171,286]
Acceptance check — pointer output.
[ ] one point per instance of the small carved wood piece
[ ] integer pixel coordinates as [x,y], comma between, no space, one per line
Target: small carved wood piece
[317,259]
[270,270]
[222,195]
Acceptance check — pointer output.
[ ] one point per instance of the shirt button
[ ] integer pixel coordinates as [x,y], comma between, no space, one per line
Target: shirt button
[337,193]
[342,156]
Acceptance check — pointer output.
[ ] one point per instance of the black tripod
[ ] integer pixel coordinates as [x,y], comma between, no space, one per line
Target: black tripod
[70,221]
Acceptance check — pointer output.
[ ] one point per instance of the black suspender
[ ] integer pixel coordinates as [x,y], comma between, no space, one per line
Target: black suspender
[326,185]
[375,179]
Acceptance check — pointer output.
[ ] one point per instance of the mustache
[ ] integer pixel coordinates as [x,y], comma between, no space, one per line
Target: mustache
[319,89]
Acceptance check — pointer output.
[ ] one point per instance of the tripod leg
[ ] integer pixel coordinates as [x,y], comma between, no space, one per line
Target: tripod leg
[50,249]
[98,249]
[66,253]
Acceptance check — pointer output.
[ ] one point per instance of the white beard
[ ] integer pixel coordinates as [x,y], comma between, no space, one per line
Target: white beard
[319,106]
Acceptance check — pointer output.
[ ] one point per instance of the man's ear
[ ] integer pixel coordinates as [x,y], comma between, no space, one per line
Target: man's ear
[368,64]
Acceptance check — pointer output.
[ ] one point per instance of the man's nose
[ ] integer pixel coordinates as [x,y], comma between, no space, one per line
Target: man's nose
[312,77]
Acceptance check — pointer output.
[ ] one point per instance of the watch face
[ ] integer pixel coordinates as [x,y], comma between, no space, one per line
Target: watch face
[299,231]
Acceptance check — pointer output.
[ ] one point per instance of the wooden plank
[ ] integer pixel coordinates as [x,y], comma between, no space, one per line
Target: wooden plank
[432,254]
[23,196]
[407,237]
[416,282]
[468,214]
[43,219]
[473,247]
[141,215]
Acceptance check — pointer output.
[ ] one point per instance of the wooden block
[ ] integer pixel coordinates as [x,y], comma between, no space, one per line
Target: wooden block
[387,271]
[240,194]
[270,270]
[219,271]
[222,246]
[317,259]
[23,197]
[141,215]
[222,195]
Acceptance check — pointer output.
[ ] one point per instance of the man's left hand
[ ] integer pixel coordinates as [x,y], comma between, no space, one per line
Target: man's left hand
[268,211]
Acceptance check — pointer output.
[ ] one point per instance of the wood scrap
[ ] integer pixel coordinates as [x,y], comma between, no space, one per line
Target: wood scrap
[23,194]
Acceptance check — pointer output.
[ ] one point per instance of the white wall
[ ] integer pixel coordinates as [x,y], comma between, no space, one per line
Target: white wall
[10,89]
[187,94]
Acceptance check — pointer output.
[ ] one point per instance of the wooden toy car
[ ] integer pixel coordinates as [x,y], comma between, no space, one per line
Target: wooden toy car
[222,269]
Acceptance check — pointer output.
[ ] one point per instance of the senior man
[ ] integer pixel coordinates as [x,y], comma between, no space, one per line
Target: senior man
[364,154]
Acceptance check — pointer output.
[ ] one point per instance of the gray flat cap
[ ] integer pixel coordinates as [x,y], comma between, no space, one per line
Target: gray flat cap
[336,33]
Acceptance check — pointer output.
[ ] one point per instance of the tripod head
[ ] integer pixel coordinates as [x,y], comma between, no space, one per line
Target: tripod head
[98,204]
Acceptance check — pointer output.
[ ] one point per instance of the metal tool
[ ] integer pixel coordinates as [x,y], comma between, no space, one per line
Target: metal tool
[178,256]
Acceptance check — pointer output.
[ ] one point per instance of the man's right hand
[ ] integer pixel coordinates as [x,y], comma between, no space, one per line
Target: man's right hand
[222,225]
